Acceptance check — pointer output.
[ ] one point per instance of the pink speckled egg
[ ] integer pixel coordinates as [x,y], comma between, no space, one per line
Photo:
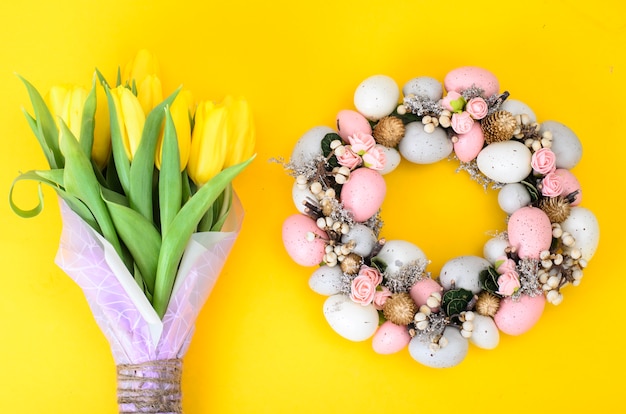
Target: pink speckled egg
[390,338]
[467,76]
[422,289]
[514,317]
[302,251]
[530,232]
[363,193]
[570,184]
[469,144]
[349,122]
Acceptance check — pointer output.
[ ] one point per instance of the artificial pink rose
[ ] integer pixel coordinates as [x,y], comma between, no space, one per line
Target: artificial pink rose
[543,161]
[462,123]
[362,290]
[508,283]
[375,158]
[505,265]
[361,142]
[477,108]
[372,273]
[451,96]
[380,297]
[349,159]
[552,185]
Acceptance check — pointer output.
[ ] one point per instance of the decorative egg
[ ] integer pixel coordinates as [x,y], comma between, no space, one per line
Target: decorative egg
[376,97]
[518,108]
[349,319]
[469,144]
[363,237]
[421,147]
[485,334]
[453,353]
[397,253]
[390,338]
[392,159]
[565,144]
[326,280]
[515,317]
[300,195]
[505,162]
[424,86]
[422,289]
[463,272]
[583,225]
[570,184]
[495,248]
[512,197]
[465,77]
[363,193]
[301,250]
[309,146]
[349,122]
[530,232]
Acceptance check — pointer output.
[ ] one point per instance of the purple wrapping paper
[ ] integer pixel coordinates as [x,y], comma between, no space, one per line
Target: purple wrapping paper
[123,313]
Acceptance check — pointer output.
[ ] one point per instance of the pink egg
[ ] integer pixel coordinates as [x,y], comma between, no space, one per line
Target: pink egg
[363,193]
[570,184]
[349,122]
[421,290]
[514,317]
[530,232]
[390,338]
[467,76]
[469,145]
[302,251]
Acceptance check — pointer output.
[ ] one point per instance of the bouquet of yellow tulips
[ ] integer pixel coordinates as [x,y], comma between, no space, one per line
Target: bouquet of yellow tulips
[149,213]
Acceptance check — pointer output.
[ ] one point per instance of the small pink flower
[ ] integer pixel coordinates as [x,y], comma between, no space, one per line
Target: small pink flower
[349,159]
[451,96]
[380,297]
[552,185]
[508,283]
[372,273]
[375,158]
[477,108]
[362,290]
[505,265]
[462,123]
[361,142]
[543,161]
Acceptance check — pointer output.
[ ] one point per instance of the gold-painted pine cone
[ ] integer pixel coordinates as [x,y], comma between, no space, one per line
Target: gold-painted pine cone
[389,131]
[487,304]
[556,208]
[498,126]
[400,309]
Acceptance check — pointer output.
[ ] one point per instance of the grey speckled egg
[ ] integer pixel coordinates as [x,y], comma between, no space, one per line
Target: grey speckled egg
[463,272]
[518,108]
[309,145]
[512,197]
[445,357]
[565,144]
[421,147]
[326,280]
[424,86]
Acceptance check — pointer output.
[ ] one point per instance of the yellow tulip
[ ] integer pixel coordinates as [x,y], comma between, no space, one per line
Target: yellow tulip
[242,133]
[142,65]
[149,93]
[180,115]
[208,142]
[131,118]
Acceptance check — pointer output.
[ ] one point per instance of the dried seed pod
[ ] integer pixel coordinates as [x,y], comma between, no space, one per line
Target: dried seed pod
[351,264]
[498,126]
[487,304]
[389,131]
[400,309]
[556,208]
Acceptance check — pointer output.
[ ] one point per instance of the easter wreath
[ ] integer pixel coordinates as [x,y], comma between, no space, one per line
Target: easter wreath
[379,288]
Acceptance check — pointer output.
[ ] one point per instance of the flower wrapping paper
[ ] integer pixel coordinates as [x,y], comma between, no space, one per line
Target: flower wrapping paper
[121,310]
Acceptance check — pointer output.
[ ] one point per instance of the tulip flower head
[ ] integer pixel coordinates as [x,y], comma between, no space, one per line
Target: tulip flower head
[131,118]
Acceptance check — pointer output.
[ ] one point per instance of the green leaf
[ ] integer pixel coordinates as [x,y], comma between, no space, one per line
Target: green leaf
[142,167]
[489,280]
[120,159]
[170,180]
[326,141]
[224,210]
[379,264]
[458,105]
[87,125]
[181,229]
[532,190]
[455,301]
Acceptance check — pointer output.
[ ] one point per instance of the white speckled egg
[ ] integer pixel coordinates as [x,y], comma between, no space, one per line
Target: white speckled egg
[390,338]
[421,147]
[494,248]
[364,239]
[512,197]
[424,86]
[485,334]
[376,97]
[530,232]
[397,253]
[363,193]
[464,272]
[514,317]
[505,162]
[445,357]
[583,225]
[565,144]
[309,145]
[301,250]
[349,319]
[518,108]
[326,280]
[300,195]
[392,159]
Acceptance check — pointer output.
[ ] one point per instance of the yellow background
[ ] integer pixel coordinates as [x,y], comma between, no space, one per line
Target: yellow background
[262,344]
